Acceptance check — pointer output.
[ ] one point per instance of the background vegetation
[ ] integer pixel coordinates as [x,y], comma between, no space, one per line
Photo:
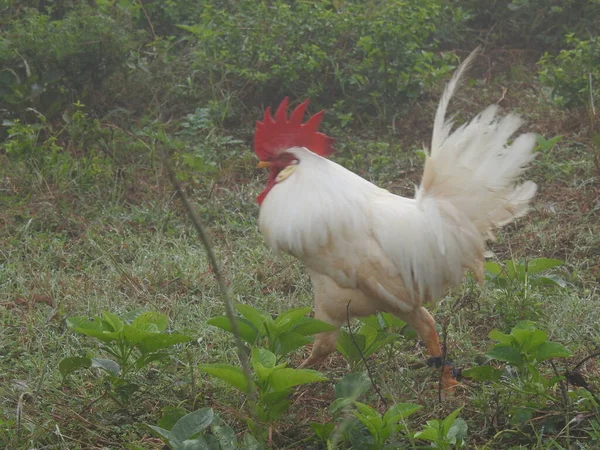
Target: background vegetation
[111,333]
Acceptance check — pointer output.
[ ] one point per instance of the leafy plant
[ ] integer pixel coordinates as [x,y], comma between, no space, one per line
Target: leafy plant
[134,342]
[525,348]
[281,335]
[445,434]
[527,274]
[369,338]
[272,382]
[573,75]
[185,431]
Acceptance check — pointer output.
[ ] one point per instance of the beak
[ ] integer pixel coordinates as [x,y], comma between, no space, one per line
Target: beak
[263,164]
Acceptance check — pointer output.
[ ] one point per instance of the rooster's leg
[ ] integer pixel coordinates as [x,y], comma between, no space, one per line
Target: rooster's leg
[424,324]
[325,343]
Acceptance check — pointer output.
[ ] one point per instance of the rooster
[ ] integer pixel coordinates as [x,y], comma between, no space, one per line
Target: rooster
[368,250]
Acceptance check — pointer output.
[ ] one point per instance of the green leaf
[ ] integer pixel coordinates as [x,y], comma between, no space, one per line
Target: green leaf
[381,340]
[540,264]
[107,364]
[549,350]
[400,411]
[198,443]
[365,409]
[493,268]
[161,432]
[448,422]
[224,434]
[287,320]
[72,364]
[263,363]
[247,330]
[309,326]
[157,320]
[323,430]
[288,342]
[458,431]
[113,321]
[159,341]
[431,432]
[551,280]
[230,374]
[147,358]
[500,337]
[352,386]
[192,423]
[506,353]
[285,378]
[483,373]
[170,416]
[254,315]
[97,328]
[347,347]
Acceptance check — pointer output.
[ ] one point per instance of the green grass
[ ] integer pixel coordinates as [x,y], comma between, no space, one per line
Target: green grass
[81,244]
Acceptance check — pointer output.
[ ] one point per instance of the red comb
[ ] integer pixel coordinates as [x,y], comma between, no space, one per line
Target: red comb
[279,133]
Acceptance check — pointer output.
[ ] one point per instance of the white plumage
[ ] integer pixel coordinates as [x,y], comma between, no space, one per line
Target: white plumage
[383,252]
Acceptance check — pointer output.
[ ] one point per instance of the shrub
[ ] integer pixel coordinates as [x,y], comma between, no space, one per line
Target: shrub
[572,72]
[50,63]
[380,56]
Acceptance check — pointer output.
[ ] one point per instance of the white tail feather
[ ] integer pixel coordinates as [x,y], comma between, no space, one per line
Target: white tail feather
[474,168]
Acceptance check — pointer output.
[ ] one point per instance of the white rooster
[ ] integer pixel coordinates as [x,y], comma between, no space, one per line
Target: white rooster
[377,251]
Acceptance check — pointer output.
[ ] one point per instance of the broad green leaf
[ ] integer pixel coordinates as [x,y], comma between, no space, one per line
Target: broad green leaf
[249,442]
[534,340]
[198,443]
[192,423]
[286,320]
[224,434]
[265,357]
[500,337]
[365,409]
[505,353]
[392,322]
[135,335]
[540,264]
[352,386]
[289,341]
[551,280]
[458,431]
[276,403]
[449,421]
[381,340]
[483,373]
[159,341]
[323,430]
[230,374]
[113,320]
[431,432]
[158,320]
[72,364]
[400,411]
[346,345]
[493,268]
[247,330]
[549,350]
[147,358]
[107,364]
[375,321]
[170,416]
[97,328]
[161,432]
[263,363]
[254,315]
[285,378]
[308,326]
[520,414]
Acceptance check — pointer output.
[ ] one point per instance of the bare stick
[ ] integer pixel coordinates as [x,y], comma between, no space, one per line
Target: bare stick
[217,271]
[363,356]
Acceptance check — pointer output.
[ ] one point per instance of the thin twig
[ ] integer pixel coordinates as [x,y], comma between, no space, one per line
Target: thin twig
[584,360]
[444,355]
[363,356]
[148,21]
[217,271]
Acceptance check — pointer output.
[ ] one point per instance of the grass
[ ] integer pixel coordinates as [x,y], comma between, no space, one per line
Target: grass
[74,247]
